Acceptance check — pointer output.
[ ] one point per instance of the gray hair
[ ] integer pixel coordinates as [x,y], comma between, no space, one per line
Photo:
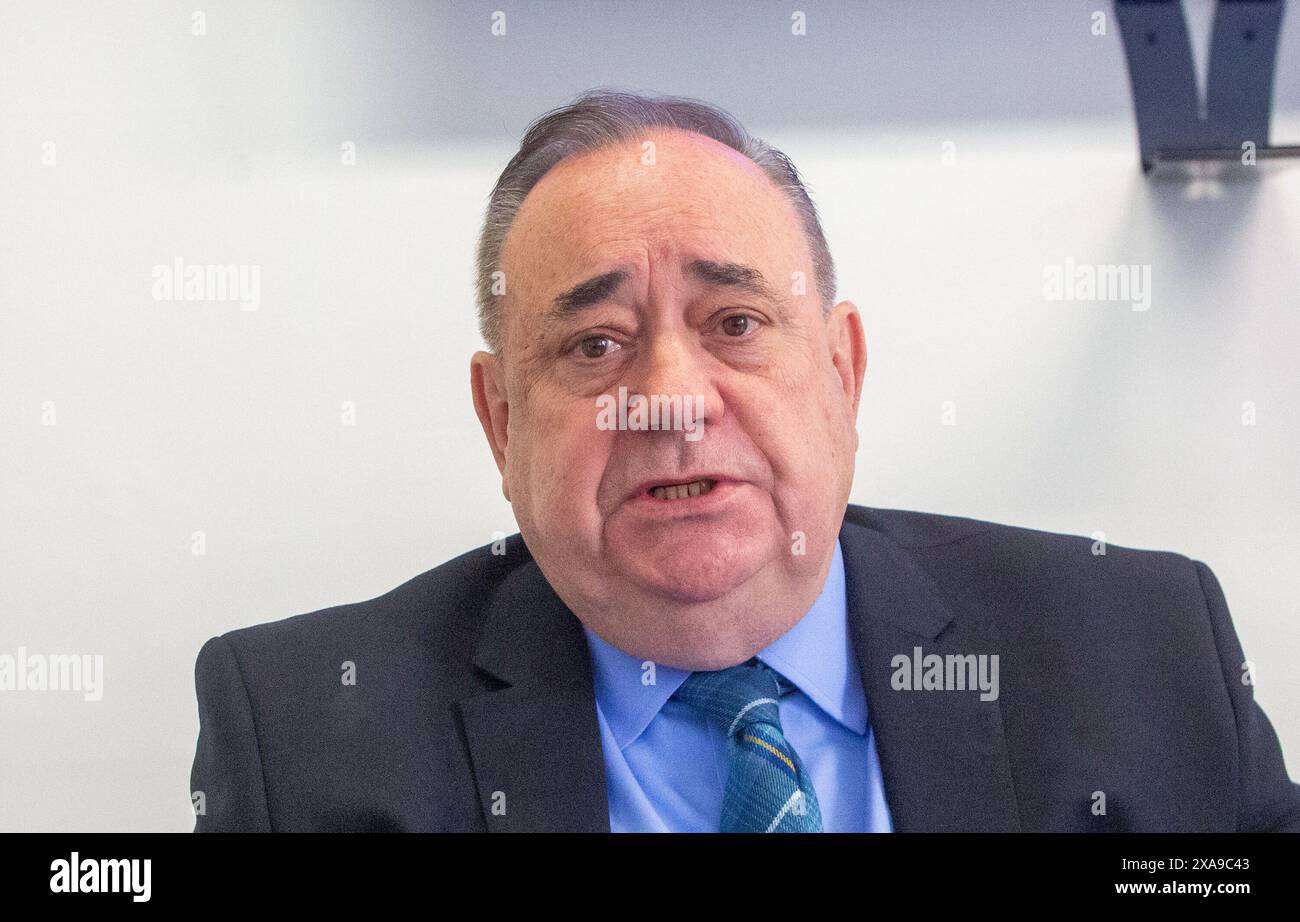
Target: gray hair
[599,118]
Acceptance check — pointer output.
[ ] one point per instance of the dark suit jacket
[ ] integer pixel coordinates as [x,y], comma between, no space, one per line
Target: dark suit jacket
[1118,673]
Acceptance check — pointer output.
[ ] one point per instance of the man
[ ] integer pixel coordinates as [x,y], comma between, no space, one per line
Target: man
[693,629]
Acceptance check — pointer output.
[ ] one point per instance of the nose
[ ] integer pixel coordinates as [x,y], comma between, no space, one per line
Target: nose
[673,365]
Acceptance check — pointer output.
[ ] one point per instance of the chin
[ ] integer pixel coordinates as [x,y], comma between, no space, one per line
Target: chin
[691,571]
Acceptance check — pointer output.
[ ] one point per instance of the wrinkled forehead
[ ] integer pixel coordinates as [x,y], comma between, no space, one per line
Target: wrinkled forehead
[669,192]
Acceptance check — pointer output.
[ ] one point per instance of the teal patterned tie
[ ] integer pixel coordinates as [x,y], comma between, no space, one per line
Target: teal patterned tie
[768,789]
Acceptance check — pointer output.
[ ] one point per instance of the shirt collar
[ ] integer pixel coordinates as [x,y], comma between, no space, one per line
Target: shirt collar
[815,655]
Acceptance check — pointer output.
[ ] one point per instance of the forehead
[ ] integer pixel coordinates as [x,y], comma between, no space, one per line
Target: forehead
[696,197]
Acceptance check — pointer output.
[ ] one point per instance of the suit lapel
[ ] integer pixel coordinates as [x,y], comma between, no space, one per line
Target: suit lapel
[943,754]
[534,744]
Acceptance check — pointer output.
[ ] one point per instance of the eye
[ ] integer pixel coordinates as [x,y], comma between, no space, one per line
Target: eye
[595,347]
[739,325]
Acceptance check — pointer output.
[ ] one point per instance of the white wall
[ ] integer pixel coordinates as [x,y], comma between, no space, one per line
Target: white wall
[176,417]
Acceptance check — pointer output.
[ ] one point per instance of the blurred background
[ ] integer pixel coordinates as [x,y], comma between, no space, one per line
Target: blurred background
[170,470]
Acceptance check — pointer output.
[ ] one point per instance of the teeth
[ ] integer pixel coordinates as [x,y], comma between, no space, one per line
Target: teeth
[683,490]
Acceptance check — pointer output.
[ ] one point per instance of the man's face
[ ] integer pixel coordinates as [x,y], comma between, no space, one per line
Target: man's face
[678,271]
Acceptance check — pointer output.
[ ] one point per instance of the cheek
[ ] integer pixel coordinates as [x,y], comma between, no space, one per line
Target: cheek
[564,459]
[801,428]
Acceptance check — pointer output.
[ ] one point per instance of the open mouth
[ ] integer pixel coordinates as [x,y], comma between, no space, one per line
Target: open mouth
[672,491]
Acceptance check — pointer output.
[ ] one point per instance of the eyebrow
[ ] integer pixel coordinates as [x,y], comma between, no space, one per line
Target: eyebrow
[602,287]
[732,275]
[588,294]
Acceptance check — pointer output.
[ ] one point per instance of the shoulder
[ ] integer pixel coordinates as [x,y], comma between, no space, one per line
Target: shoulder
[437,612]
[924,531]
[1008,560]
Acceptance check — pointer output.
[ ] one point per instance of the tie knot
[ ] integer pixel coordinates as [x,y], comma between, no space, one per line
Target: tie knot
[738,697]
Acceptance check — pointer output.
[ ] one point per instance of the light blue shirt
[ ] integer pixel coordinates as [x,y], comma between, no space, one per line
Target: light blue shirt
[666,766]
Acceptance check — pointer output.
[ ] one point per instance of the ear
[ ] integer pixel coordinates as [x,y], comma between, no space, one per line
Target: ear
[848,349]
[488,385]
